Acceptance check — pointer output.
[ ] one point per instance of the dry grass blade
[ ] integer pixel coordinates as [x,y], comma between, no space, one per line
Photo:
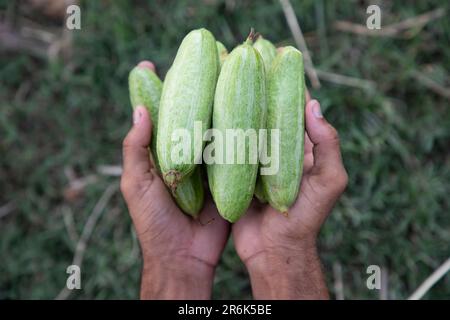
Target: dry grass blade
[338,281]
[11,40]
[430,281]
[69,224]
[431,84]
[300,41]
[6,209]
[110,170]
[87,232]
[384,290]
[392,30]
[346,80]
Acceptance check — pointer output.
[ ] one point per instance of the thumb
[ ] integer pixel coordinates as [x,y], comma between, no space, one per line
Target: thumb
[136,160]
[326,150]
[147,64]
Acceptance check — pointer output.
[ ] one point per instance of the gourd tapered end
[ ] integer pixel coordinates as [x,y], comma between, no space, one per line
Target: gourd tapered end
[172,178]
[252,36]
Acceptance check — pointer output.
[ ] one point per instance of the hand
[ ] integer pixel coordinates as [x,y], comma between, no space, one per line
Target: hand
[179,253]
[280,251]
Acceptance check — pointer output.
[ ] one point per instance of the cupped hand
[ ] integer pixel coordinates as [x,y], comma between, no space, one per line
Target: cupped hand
[179,253]
[278,248]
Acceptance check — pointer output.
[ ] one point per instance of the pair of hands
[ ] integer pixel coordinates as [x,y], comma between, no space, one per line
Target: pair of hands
[180,254]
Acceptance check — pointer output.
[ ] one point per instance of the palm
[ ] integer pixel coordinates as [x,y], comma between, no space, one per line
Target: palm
[173,233]
[263,228]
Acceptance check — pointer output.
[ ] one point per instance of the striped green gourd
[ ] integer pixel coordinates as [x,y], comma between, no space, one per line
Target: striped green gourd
[285,111]
[187,97]
[268,53]
[222,52]
[267,50]
[239,103]
[145,89]
[259,191]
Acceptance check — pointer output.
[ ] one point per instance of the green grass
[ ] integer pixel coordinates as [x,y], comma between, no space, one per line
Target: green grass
[59,115]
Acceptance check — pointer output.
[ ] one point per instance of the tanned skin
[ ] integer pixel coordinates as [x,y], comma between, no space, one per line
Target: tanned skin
[180,254]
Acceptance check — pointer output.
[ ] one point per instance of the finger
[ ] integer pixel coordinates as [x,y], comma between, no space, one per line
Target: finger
[136,161]
[308,144]
[308,163]
[209,225]
[210,216]
[249,225]
[147,64]
[326,149]
[308,159]
[308,96]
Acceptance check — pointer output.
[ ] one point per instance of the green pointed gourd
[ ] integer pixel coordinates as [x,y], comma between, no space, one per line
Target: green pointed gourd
[222,52]
[145,89]
[239,103]
[285,111]
[186,100]
[267,50]
[259,191]
[268,53]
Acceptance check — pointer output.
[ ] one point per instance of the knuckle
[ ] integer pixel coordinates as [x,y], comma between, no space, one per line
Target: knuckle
[126,186]
[132,186]
[337,179]
[333,135]
[340,178]
[126,143]
[343,180]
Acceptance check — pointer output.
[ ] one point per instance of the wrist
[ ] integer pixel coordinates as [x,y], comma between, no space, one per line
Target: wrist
[177,279]
[287,273]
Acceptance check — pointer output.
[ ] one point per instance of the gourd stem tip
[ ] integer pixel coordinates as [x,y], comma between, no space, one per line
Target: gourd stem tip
[251,36]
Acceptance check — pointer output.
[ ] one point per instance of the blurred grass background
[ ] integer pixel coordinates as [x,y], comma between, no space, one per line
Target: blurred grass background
[62,118]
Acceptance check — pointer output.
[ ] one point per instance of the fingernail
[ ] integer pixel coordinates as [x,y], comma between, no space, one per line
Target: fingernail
[137,114]
[316,109]
[146,64]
